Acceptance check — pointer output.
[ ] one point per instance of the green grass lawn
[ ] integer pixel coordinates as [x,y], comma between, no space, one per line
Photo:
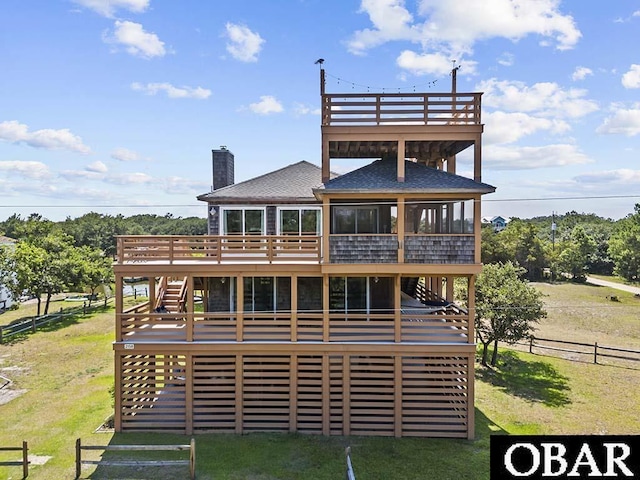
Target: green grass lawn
[66,373]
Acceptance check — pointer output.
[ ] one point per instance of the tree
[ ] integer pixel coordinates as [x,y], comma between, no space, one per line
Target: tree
[624,246]
[51,266]
[506,307]
[576,254]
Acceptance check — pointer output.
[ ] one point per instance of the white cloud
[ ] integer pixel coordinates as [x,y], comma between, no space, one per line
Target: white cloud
[580,73]
[62,139]
[26,169]
[623,177]
[171,91]
[179,186]
[302,109]
[97,166]
[136,41]
[125,155]
[546,99]
[622,121]
[455,26]
[502,127]
[636,13]
[107,8]
[506,59]
[267,105]
[244,45]
[631,79]
[499,157]
[129,179]
[430,63]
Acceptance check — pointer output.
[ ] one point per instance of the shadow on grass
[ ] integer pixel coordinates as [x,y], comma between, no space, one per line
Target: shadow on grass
[536,381]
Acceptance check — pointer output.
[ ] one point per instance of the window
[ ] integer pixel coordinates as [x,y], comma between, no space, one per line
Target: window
[449,217]
[299,221]
[360,219]
[267,294]
[361,294]
[243,221]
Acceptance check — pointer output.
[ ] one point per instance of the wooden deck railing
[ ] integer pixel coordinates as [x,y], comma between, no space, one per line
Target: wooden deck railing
[217,248]
[401,109]
[450,326]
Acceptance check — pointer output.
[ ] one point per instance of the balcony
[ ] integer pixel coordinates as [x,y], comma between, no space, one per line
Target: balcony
[401,109]
[270,249]
[216,249]
[414,325]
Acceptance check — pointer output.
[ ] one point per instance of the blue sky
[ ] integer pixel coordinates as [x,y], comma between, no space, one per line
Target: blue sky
[114,105]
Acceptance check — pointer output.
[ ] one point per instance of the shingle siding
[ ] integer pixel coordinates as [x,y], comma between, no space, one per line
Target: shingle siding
[439,249]
[363,249]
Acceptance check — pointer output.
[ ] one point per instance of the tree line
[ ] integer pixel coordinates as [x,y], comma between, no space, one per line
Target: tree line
[580,244]
[74,255]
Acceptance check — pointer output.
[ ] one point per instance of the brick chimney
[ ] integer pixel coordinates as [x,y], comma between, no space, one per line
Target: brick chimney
[223,165]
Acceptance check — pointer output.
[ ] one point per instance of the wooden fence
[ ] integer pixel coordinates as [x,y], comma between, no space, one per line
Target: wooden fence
[131,462]
[25,458]
[593,350]
[31,324]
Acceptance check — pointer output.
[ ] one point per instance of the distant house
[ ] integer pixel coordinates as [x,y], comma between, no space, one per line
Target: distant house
[5,296]
[499,223]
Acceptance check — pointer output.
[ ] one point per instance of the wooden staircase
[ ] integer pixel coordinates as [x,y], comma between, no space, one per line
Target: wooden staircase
[172,294]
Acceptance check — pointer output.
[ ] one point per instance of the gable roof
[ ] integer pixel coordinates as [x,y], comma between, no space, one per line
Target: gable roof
[380,176]
[293,183]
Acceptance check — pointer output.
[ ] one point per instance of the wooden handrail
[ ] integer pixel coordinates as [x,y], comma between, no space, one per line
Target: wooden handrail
[395,108]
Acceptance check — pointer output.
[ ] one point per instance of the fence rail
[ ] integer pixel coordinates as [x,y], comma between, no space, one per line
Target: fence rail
[595,350]
[31,324]
[130,462]
[25,458]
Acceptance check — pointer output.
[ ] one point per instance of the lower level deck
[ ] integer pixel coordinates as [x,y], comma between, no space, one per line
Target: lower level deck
[339,389]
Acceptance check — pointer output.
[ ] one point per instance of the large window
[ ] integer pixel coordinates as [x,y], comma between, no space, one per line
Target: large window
[243,221]
[355,219]
[361,294]
[299,221]
[267,294]
[445,217]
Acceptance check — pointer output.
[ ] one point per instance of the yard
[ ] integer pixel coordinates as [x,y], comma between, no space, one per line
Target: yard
[65,374]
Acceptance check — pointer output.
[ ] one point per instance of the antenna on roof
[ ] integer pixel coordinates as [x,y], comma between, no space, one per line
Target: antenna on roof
[454,71]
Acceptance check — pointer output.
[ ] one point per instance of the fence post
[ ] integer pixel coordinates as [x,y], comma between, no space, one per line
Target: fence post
[1,339]
[78,461]
[595,353]
[25,460]
[33,324]
[192,459]
[531,344]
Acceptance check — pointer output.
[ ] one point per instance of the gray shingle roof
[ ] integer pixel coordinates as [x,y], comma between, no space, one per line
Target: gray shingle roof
[293,183]
[381,176]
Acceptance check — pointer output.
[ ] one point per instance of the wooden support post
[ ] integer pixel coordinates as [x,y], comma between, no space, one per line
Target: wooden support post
[346,395]
[477,158]
[397,395]
[397,310]
[192,459]
[400,229]
[471,428]
[471,303]
[239,307]
[326,396]
[325,308]
[188,379]
[294,308]
[190,308]
[117,409]
[239,393]
[119,306]
[400,160]
[293,394]
[595,352]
